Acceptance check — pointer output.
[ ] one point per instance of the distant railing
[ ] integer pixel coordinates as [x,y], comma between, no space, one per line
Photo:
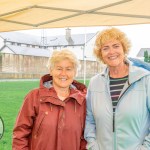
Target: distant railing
[11,75]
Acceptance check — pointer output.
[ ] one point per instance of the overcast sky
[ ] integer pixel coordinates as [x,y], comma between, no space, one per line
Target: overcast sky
[139,35]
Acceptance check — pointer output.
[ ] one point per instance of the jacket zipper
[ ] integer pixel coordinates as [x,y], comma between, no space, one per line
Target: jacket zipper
[117,104]
[113,122]
[114,136]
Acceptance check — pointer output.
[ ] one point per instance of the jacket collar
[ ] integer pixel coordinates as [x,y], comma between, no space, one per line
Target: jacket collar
[135,73]
[48,93]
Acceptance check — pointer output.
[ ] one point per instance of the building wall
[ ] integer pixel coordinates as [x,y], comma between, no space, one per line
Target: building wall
[20,66]
[1,42]
[21,63]
[91,68]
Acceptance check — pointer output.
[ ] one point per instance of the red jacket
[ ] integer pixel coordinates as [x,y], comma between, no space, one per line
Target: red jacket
[47,123]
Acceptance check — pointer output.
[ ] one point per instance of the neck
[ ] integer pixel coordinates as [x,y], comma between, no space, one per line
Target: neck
[119,71]
[62,93]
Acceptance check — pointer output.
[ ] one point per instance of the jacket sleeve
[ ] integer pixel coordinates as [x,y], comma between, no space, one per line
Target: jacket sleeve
[83,141]
[90,126]
[23,126]
[139,63]
[146,143]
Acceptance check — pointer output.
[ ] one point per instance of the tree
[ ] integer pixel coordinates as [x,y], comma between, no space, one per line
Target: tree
[149,59]
[146,57]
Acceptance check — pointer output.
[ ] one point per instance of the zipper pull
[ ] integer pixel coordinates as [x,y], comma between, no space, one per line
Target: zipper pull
[113,122]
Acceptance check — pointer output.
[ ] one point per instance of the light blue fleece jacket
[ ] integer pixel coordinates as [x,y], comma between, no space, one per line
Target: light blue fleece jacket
[132,116]
[139,63]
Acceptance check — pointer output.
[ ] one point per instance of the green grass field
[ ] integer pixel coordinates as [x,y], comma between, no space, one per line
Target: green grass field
[12,94]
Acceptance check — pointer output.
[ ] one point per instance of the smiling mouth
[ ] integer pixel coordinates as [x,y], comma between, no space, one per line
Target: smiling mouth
[63,79]
[113,57]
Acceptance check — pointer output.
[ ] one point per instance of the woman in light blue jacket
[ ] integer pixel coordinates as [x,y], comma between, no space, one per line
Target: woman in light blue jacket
[118,99]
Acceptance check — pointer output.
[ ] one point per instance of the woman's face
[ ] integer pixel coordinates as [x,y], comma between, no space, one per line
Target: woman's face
[63,74]
[112,53]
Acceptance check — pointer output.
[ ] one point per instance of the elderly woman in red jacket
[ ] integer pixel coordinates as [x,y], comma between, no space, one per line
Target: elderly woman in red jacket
[52,116]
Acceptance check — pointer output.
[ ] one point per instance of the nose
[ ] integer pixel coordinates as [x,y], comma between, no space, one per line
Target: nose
[63,72]
[111,50]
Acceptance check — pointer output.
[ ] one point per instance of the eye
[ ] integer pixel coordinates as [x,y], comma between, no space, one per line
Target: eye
[116,46]
[69,69]
[58,68]
[105,48]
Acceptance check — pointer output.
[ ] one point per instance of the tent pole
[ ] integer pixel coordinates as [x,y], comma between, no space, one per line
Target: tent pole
[84,56]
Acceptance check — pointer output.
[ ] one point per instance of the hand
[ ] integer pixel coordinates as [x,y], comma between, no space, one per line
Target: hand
[141,147]
[93,146]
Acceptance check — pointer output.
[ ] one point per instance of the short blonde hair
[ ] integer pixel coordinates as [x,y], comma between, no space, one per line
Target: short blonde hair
[108,35]
[59,55]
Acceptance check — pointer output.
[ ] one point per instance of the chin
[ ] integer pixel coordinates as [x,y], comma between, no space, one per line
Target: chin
[113,65]
[64,86]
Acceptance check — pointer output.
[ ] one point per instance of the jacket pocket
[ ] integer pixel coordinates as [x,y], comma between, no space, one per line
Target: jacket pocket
[38,123]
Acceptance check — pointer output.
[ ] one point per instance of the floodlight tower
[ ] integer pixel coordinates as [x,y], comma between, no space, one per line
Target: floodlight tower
[43,37]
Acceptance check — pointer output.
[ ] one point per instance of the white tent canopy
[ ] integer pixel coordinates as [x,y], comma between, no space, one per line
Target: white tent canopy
[36,14]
